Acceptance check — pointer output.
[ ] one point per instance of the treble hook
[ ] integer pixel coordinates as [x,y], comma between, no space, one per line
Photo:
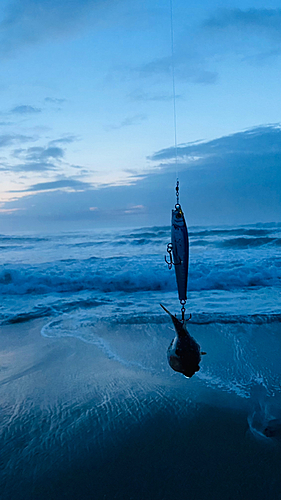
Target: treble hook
[170,261]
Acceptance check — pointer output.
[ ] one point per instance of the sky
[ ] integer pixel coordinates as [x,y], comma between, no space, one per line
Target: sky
[87,114]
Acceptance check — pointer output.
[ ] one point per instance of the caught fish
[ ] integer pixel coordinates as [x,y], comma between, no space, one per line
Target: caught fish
[184,353]
[273,428]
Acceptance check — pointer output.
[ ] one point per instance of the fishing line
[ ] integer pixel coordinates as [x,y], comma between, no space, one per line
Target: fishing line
[174,87]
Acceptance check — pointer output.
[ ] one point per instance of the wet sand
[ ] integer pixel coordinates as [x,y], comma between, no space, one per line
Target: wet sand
[77,425]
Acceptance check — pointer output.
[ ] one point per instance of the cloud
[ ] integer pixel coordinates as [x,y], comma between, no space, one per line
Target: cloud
[74,184]
[9,210]
[189,66]
[254,34]
[128,122]
[39,153]
[256,141]
[260,20]
[134,209]
[37,159]
[145,96]
[6,124]
[231,180]
[38,166]
[54,100]
[9,139]
[64,140]
[34,158]
[25,110]
[27,22]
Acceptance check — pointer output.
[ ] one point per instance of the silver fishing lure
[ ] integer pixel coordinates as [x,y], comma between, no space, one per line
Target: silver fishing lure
[180,250]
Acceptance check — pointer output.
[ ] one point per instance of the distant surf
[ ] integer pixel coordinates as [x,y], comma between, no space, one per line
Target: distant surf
[233,271]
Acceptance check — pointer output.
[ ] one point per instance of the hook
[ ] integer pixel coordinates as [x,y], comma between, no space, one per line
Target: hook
[170,261]
[169,250]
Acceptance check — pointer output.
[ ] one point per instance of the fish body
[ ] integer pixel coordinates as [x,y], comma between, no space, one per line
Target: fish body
[180,249]
[184,354]
[273,428]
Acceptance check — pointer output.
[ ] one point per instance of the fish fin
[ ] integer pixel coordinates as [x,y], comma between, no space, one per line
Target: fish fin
[166,310]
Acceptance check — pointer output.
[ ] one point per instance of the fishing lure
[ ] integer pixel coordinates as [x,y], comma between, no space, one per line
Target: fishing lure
[184,354]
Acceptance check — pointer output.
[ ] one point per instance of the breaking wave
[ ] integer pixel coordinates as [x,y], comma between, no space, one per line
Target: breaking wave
[50,275]
[250,242]
[225,237]
[134,275]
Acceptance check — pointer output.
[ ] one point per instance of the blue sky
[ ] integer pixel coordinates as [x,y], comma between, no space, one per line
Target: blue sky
[86,118]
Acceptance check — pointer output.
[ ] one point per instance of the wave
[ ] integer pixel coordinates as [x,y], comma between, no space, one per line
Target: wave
[200,319]
[240,243]
[249,242]
[154,233]
[8,247]
[50,310]
[221,237]
[21,239]
[75,278]
[153,229]
[135,317]
[255,231]
[135,275]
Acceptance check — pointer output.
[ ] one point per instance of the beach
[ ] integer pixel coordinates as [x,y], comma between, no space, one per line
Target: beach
[90,408]
[76,424]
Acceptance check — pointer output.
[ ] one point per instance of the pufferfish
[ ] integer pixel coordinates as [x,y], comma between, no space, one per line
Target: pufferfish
[184,353]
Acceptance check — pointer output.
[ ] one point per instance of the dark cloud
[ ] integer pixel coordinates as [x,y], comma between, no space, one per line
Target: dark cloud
[161,65]
[38,166]
[234,179]
[253,34]
[37,159]
[25,110]
[145,96]
[54,100]
[38,153]
[5,124]
[257,141]
[188,67]
[268,20]
[60,184]
[128,122]
[83,171]
[52,152]
[27,22]
[64,140]
[10,139]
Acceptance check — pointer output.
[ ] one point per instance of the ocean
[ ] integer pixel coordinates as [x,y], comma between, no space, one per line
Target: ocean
[90,407]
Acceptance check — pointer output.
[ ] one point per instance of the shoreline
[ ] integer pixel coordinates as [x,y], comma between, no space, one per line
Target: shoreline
[76,424]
